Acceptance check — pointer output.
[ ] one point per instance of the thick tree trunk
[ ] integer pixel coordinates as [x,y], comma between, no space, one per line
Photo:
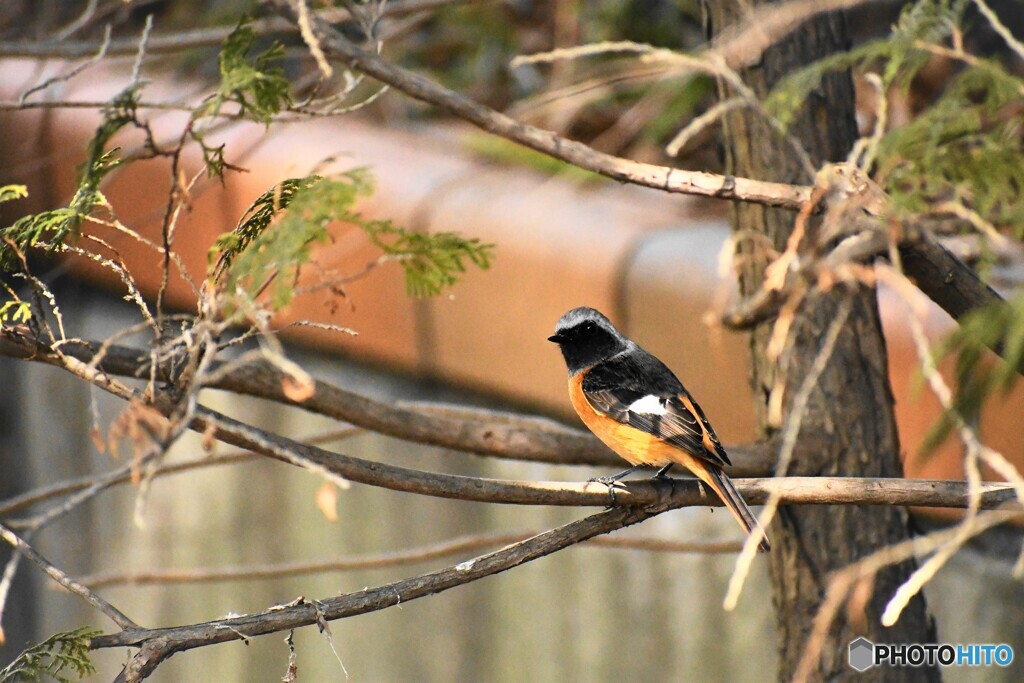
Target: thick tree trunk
[851,405]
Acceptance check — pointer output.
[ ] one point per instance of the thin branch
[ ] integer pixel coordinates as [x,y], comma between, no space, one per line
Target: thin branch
[940,275]
[386,560]
[6,580]
[262,380]
[83,20]
[14,105]
[791,432]
[545,141]
[745,43]
[947,281]
[475,431]
[1000,28]
[842,582]
[957,289]
[701,123]
[123,476]
[793,490]
[158,644]
[100,54]
[206,37]
[66,581]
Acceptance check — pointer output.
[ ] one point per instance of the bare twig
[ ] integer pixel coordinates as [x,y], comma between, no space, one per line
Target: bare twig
[162,643]
[521,439]
[10,569]
[793,490]
[141,56]
[1000,28]
[700,123]
[842,582]
[790,434]
[80,22]
[66,581]
[42,494]
[96,59]
[648,175]
[390,559]
[206,37]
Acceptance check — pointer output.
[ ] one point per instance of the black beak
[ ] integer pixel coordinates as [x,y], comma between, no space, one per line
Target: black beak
[557,338]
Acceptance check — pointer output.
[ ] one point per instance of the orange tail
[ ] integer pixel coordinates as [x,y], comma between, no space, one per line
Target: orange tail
[717,480]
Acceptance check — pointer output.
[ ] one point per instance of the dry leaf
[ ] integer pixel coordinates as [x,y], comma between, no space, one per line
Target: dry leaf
[299,388]
[784,321]
[142,425]
[775,405]
[327,500]
[209,440]
[775,273]
[97,439]
[856,606]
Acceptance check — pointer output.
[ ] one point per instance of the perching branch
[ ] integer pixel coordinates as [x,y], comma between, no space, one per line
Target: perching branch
[792,490]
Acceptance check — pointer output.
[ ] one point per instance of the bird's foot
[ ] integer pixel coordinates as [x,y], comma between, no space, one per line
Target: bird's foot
[611,483]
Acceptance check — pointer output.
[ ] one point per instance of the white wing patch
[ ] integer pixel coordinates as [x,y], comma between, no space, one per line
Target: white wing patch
[648,405]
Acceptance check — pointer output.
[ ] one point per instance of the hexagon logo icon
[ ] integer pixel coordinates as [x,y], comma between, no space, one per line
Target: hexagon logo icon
[862,654]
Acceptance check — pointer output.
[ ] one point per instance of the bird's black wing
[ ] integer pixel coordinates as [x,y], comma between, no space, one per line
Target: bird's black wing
[637,389]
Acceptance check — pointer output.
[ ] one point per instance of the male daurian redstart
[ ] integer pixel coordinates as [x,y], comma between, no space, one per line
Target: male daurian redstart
[639,409]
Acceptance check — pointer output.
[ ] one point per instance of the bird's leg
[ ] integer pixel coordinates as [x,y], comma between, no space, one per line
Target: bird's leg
[613,481]
[661,475]
[608,481]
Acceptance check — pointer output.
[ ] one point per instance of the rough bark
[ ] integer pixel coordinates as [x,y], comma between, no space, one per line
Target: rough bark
[852,404]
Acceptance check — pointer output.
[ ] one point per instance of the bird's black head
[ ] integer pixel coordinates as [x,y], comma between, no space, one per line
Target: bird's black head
[586,337]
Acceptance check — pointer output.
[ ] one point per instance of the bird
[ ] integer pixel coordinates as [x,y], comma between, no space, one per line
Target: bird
[632,402]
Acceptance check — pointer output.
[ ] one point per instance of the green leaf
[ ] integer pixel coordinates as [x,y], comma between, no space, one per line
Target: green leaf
[60,654]
[12,192]
[432,261]
[15,311]
[256,83]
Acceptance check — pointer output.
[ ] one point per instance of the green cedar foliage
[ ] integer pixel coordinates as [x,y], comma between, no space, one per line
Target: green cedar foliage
[900,54]
[54,659]
[254,82]
[58,225]
[274,238]
[965,147]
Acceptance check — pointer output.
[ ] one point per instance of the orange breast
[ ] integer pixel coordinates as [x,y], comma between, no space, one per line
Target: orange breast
[633,445]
